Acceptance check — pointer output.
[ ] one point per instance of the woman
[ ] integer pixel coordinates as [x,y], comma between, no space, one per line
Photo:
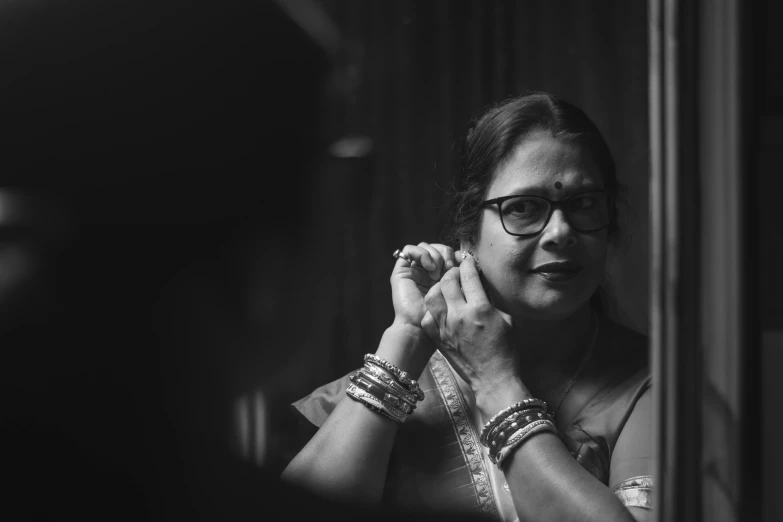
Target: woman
[536,405]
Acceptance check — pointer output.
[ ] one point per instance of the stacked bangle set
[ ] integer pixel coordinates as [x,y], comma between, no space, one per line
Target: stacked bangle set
[389,391]
[385,389]
[512,426]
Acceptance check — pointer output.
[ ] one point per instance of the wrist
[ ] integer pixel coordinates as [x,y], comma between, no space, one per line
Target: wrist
[407,347]
[489,401]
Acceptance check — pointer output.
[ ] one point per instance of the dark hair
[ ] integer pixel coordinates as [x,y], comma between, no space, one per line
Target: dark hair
[493,136]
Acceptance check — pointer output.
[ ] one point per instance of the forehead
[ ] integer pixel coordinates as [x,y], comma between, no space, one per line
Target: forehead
[538,162]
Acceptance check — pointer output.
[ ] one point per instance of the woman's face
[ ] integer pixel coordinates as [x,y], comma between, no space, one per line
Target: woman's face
[542,166]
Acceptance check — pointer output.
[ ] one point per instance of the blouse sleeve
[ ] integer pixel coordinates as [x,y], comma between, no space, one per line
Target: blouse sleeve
[631,463]
[305,417]
[317,406]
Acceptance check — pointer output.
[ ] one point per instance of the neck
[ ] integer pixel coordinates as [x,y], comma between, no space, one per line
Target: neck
[548,348]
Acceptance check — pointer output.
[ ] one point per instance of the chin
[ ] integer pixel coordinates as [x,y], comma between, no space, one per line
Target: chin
[557,312]
[545,307]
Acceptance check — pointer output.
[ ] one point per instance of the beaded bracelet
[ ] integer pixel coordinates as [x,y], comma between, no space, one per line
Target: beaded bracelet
[386,380]
[519,437]
[518,406]
[514,439]
[389,400]
[502,414]
[513,423]
[374,404]
[513,419]
[401,376]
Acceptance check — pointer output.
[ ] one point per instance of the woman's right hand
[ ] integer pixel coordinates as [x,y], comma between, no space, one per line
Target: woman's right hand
[410,282]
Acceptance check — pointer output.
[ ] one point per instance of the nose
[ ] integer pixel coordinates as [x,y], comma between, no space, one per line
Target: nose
[558,232]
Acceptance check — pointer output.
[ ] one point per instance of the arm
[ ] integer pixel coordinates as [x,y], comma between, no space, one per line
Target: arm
[349,455]
[632,458]
[545,481]
[347,458]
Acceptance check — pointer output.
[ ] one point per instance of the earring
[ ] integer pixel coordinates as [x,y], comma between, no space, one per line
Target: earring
[466,253]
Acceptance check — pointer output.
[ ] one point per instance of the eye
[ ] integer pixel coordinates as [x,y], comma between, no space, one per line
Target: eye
[523,206]
[585,202]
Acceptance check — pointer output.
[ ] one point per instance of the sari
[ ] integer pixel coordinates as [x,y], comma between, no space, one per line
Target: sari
[438,464]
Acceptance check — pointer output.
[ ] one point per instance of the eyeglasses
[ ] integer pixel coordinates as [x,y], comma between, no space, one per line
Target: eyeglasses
[527,216]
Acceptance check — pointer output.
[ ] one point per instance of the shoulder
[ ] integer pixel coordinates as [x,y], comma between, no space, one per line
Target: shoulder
[620,376]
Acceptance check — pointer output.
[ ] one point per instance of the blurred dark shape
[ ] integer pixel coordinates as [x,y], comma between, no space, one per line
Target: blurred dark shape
[140,109]
[156,160]
[151,148]
[160,155]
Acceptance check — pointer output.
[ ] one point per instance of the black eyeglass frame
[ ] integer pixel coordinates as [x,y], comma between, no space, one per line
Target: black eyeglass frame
[553,205]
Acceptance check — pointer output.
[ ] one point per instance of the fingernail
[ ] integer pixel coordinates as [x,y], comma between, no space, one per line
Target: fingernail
[428,264]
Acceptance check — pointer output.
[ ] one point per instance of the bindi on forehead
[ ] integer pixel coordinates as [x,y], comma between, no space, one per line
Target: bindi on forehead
[545,166]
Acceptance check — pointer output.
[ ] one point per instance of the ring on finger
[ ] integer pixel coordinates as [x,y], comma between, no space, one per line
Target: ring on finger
[400,254]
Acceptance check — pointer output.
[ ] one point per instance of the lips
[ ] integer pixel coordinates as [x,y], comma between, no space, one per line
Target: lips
[558,270]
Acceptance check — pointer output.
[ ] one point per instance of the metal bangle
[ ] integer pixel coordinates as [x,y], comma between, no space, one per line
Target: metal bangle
[373,404]
[400,395]
[401,376]
[381,376]
[512,423]
[520,439]
[516,438]
[390,400]
[502,414]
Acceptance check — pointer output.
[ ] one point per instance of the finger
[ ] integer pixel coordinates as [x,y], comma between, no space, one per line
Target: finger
[420,256]
[470,279]
[450,287]
[460,256]
[436,304]
[418,275]
[449,258]
[437,258]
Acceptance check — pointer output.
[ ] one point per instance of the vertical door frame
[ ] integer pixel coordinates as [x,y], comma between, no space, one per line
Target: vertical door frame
[704,352]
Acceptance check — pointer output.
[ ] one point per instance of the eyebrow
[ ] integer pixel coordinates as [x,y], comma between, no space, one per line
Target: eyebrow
[544,191]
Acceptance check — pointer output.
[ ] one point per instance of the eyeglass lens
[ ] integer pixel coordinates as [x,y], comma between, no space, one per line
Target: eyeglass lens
[528,214]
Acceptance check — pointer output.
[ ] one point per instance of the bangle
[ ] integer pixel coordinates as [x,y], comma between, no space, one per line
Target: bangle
[390,400]
[401,376]
[503,414]
[519,437]
[374,404]
[399,395]
[381,377]
[512,423]
[518,419]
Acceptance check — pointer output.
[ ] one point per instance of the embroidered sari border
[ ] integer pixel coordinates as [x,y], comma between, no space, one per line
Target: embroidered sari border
[468,440]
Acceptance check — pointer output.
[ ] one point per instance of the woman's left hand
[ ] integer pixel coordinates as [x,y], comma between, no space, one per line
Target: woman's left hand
[470,332]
